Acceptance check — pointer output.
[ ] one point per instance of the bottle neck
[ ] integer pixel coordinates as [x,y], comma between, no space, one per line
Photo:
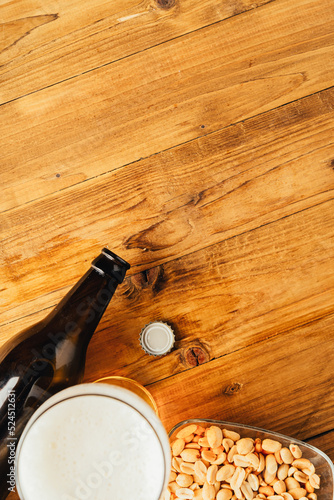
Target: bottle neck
[80,311]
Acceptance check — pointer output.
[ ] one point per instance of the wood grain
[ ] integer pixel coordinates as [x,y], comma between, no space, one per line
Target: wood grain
[45,42]
[161,97]
[195,139]
[272,378]
[230,183]
[221,299]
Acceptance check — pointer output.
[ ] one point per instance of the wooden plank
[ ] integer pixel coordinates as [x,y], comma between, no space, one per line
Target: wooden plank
[230,183]
[283,384]
[163,96]
[45,42]
[249,288]
[325,443]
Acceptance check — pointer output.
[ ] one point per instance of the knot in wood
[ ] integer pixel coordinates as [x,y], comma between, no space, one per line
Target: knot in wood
[196,356]
[166,4]
[232,389]
[147,278]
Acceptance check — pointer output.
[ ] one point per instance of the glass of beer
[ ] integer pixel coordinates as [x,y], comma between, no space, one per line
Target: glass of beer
[91,442]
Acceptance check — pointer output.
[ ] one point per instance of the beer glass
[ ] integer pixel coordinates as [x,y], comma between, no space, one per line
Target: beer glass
[91,442]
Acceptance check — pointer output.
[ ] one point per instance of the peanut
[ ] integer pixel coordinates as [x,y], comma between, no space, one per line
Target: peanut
[190,455]
[200,470]
[253,481]
[214,436]
[224,494]
[295,450]
[245,446]
[291,483]
[172,477]
[225,472]
[286,496]
[286,455]
[271,464]
[247,491]
[271,446]
[208,492]
[185,493]
[211,474]
[231,435]
[313,496]
[267,490]
[282,471]
[178,446]
[297,493]
[314,480]
[227,444]
[300,476]
[184,480]
[187,467]
[209,456]
[240,461]
[301,463]
[203,442]
[186,431]
[221,457]
[237,478]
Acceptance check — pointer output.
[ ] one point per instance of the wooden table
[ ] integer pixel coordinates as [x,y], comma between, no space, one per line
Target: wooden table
[195,139]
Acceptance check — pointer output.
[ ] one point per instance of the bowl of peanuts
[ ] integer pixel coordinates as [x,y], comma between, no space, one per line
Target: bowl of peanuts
[216,460]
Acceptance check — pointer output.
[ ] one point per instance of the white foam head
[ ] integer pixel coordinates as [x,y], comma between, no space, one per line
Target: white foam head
[92,442]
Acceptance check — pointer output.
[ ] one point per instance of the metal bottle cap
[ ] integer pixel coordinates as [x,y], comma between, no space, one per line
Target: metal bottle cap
[157,338]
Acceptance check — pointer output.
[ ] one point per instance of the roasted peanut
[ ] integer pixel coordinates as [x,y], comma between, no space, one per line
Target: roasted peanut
[208,492]
[186,431]
[225,472]
[282,471]
[214,436]
[221,457]
[187,467]
[247,491]
[266,490]
[185,493]
[184,480]
[291,483]
[211,474]
[279,487]
[178,446]
[314,480]
[237,478]
[286,455]
[231,435]
[200,470]
[172,477]
[297,493]
[227,444]
[286,496]
[295,450]
[245,446]
[271,464]
[224,494]
[253,481]
[190,455]
[271,446]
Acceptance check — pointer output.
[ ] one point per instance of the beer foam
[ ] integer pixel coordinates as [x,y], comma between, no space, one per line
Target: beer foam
[91,447]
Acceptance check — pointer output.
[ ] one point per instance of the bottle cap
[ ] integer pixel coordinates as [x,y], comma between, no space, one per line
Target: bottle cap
[157,338]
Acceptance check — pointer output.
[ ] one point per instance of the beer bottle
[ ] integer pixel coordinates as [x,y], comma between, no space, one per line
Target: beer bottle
[50,355]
